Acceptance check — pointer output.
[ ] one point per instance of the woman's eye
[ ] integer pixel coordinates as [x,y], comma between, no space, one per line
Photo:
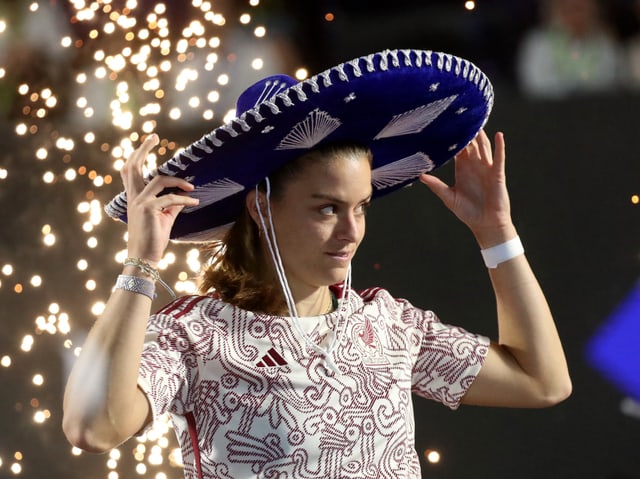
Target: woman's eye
[362,209]
[328,210]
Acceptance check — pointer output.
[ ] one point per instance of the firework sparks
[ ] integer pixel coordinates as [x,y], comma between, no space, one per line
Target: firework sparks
[113,75]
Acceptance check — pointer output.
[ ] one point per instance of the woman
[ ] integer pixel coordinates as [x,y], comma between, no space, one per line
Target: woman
[280,367]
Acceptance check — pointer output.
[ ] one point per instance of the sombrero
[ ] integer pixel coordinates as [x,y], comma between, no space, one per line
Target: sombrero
[414,109]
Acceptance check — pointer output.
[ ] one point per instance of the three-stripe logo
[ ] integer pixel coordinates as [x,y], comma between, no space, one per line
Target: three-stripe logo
[271,359]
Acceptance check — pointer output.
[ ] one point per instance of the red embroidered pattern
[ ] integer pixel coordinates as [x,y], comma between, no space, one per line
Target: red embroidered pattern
[265,406]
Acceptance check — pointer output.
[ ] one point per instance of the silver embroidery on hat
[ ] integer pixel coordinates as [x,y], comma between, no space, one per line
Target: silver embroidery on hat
[242,122]
[178,162]
[272,106]
[342,74]
[212,192]
[117,207]
[310,131]
[183,158]
[302,96]
[228,128]
[326,80]
[357,72]
[416,120]
[370,65]
[255,114]
[270,88]
[465,70]
[395,61]
[404,169]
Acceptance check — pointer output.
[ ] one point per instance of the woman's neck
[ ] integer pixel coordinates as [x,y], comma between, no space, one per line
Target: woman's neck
[316,303]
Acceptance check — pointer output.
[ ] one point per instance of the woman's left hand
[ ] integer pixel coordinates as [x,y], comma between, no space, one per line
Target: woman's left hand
[479,197]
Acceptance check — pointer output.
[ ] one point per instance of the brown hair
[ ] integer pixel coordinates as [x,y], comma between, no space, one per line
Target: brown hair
[240,272]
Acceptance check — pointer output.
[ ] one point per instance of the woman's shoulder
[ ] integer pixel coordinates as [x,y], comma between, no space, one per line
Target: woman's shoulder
[366,295]
[185,305]
[385,302]
[377,296]
[370,294]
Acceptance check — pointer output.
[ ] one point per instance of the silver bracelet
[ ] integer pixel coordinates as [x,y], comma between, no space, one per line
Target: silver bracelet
[146,268]
[134,284]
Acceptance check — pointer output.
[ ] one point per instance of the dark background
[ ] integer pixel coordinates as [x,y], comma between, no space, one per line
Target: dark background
[569,173]
[573,166]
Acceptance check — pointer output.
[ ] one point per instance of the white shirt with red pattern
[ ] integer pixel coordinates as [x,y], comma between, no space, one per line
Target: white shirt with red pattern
[248,397]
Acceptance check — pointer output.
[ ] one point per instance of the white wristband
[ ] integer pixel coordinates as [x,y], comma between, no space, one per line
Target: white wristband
[502,252]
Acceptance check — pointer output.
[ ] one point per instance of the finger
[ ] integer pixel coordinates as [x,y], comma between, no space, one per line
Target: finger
[500,154]
[140,155]
[172,202]
[438,187]
[145,148]
[159,183]
[463,154]
[484,148]
[156,198]
[468,151]
[473,151]
[132,175]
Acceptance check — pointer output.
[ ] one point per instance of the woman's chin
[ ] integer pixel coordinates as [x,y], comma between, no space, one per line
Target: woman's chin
[337,275]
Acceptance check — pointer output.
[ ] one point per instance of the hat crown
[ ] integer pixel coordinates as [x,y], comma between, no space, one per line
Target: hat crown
[262,90]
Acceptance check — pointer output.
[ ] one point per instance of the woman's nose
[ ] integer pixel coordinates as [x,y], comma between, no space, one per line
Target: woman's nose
[349,227]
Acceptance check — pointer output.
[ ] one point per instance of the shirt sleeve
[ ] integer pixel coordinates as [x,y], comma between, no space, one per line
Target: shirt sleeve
[448,358]
[167,366]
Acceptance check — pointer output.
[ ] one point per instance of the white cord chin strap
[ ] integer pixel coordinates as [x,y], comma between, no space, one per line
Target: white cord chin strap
[270,236]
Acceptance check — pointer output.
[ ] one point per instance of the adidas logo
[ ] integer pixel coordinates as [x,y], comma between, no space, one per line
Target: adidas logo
[271,359]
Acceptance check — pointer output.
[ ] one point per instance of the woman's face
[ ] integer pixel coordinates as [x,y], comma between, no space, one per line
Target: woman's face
[319,220]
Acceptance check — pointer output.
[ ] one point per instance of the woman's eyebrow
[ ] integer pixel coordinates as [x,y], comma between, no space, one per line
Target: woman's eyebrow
[334,199]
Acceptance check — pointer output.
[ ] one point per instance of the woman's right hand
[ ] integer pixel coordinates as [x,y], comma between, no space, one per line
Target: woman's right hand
[151,215]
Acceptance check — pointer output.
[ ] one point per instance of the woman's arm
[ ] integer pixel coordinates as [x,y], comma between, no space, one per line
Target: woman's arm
[103,405]
[526,367]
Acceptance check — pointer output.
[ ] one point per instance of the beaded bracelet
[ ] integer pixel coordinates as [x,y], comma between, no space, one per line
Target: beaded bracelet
[502,252]
[134,284]
[149,270]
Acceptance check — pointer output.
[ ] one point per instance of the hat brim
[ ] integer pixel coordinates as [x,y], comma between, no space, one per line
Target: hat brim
[414,109]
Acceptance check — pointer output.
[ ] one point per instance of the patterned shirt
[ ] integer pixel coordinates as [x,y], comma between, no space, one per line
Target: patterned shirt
[249,398]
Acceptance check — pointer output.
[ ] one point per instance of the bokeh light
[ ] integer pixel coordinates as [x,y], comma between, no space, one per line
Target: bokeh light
[110,74]
[432,456]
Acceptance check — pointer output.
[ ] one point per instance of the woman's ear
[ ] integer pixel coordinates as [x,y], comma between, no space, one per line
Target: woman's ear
[250,204]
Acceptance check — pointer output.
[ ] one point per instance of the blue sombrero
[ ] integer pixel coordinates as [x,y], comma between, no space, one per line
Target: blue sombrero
[415,109]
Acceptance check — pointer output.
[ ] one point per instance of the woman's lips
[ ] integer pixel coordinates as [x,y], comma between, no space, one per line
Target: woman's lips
[340,256]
